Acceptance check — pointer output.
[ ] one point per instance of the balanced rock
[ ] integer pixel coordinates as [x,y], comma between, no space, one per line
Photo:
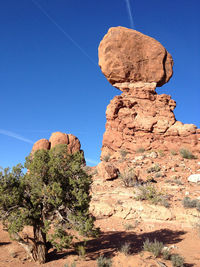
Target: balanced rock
[140,118]
[126,55]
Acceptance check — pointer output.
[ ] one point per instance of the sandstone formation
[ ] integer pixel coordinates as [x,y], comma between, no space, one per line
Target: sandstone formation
[127,55]
[72,142]
[140,118]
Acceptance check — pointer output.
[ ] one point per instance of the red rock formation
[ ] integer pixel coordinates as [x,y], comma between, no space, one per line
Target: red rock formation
[127,55]
[139,117]
[72,142]
[41,144]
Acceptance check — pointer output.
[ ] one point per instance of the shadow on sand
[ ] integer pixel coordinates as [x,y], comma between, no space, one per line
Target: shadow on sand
[110,242]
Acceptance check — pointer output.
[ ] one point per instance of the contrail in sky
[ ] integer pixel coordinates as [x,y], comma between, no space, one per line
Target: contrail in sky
[16,136]
[130,13]
[91,161]
[63,31]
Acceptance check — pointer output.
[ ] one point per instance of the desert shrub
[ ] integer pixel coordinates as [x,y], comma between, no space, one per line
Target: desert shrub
[125,249]
[174,181]
[166,254]
[161,153]
[104,262]
[81,251]
[150,193]
[155,247]
[140,150]
[52,196]
[173,152]
[72,265]
[129,178]
[106,157]
[186,154]
[177,260]
[154,168]
[123,153]
[128,227]
[158,175]
[190,203]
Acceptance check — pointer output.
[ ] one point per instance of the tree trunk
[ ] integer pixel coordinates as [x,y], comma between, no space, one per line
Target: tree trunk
[40,250]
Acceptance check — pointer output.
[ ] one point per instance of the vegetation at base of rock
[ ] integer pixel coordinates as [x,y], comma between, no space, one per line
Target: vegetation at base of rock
[73,264]
[155,247]
[128,177]
[52,195]
[154,168]
[174,181]
[81,251]
[140,150]
[191,203]
[106,158]
[166,254]
[125,249]
[104,262]
[173,153]
[186,154]
[150,193]
[123,153]
[177,260]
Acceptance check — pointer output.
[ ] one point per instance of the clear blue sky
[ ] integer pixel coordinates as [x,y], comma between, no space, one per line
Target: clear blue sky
[50,83]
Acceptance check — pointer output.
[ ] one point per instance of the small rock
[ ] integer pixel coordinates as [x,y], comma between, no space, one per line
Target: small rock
[194,178]
[153,155]
[187,193]
[140,157]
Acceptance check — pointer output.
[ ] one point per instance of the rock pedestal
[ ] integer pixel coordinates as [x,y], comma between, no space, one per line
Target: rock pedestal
[139,118]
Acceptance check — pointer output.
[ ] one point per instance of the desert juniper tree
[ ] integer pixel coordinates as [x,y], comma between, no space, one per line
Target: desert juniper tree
[52,197]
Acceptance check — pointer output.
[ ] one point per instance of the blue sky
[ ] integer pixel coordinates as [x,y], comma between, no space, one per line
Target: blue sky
[49,75]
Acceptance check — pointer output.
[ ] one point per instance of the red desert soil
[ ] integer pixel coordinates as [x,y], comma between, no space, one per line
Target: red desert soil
[115,207]
[185,242]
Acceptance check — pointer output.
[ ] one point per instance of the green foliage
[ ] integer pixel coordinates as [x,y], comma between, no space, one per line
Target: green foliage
[104,262]
[123,153]
[173,153]
[106,157]
[128,227]
[72,265]
[125,249]
[177,260]
[150,193]
[129,178]
[154,168]
[186,154]
[53,194]
[153,247]
[140,150]
[166,254]
[81,251]
[191,203]
[161,153]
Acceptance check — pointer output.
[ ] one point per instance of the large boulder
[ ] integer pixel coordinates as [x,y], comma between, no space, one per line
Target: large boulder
[57,138]
[41,144]
[126,55]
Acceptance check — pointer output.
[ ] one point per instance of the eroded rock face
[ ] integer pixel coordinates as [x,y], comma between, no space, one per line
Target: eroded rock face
[126,55]
[72,142]
[140,118]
